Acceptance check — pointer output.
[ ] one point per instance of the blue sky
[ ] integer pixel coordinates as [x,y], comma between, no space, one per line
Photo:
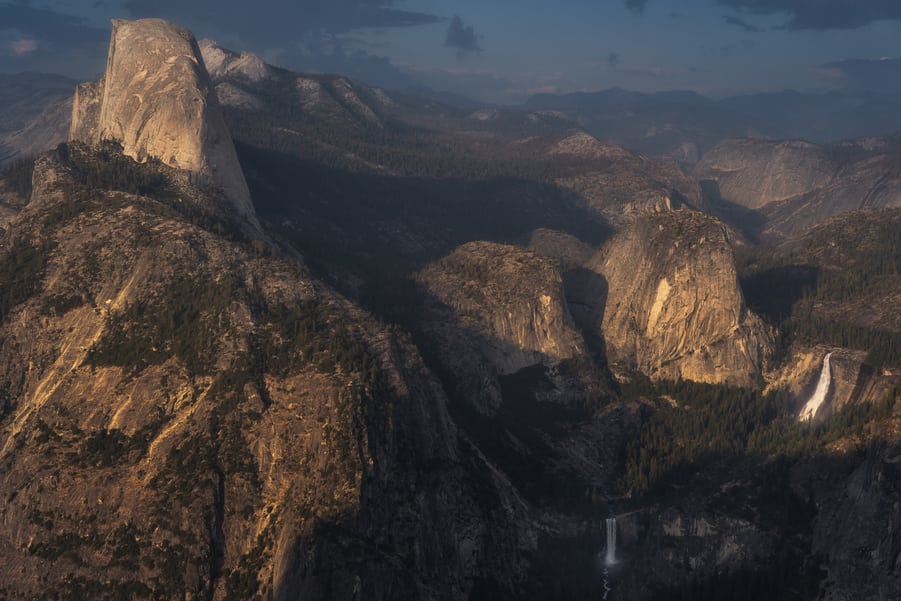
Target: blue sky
[503,50]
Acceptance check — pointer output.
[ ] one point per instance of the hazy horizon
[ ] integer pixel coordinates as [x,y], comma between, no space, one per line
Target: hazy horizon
[503,53]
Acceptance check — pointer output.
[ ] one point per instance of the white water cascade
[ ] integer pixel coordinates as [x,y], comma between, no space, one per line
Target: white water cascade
[611,542]
[819,395]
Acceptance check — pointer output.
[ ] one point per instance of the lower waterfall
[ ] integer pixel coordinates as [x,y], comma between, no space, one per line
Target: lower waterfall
[611,542]
[819,395]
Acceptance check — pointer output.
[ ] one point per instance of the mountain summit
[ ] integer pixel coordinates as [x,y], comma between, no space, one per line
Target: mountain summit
[156,99]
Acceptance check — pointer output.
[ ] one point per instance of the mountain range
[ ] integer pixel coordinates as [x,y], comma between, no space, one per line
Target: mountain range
[271,335]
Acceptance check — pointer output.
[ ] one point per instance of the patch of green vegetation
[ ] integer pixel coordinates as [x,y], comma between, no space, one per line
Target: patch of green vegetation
[183,320]
[60,304]
[242,583]
[313,333]
[107,168]
[18,176]
[45,433]
[847,269]
[79,588]
[708,423]
[21,266]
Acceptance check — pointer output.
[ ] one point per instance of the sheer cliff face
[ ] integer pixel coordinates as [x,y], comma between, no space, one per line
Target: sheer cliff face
[512,297]
[492,310]
[156,99]
[674,308]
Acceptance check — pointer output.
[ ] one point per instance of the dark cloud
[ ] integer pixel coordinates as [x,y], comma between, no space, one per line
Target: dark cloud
[334,57]
[822,14]
[743,25]
[270,23]
[39,39]
[636,6]
[462,37]
[868,76]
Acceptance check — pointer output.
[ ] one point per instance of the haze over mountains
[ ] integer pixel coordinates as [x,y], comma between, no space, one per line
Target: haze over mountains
[272,335]
[686,125]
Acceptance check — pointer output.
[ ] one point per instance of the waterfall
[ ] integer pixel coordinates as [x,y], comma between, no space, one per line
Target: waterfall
[611,542]
[819,395]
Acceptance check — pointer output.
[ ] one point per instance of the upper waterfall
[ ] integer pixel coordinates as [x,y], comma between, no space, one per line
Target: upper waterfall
[822,390]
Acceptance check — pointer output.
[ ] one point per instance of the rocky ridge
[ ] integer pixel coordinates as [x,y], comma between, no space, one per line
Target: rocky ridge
[245,423]
[794,185]
[37,111]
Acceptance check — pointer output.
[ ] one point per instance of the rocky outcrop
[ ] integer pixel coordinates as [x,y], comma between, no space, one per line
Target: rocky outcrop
[509,296]
[619,184]
[674,308]
[856,535]
[157,101]
[221,63]
[495,309]
[852,380]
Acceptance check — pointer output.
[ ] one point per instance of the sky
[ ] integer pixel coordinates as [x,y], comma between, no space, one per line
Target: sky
[504,51]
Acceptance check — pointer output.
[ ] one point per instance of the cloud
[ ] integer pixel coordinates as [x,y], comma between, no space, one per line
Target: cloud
[462,37]
[822,14]
[636,6]
[40,39]
[743,25]
[270,23]
[23,47]
[865,75]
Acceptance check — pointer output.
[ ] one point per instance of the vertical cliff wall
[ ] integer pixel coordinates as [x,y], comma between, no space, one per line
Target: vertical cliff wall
[156,99]
[674,308]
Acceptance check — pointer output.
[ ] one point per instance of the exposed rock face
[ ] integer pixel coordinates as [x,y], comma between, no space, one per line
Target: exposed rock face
[754,173]
[221,63]
[617,183]
[494,310]
[510,296]
[857,531]
[157,100]
[795,185]
[853,382]
[674,308]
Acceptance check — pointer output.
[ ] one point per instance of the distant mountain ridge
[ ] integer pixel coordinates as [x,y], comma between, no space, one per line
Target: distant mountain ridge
[663,122]
[794,185]
[34,113]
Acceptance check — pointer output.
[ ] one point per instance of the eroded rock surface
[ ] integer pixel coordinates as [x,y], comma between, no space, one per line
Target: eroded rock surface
[156,99]
[674,308]
[495,309]
[754,173]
